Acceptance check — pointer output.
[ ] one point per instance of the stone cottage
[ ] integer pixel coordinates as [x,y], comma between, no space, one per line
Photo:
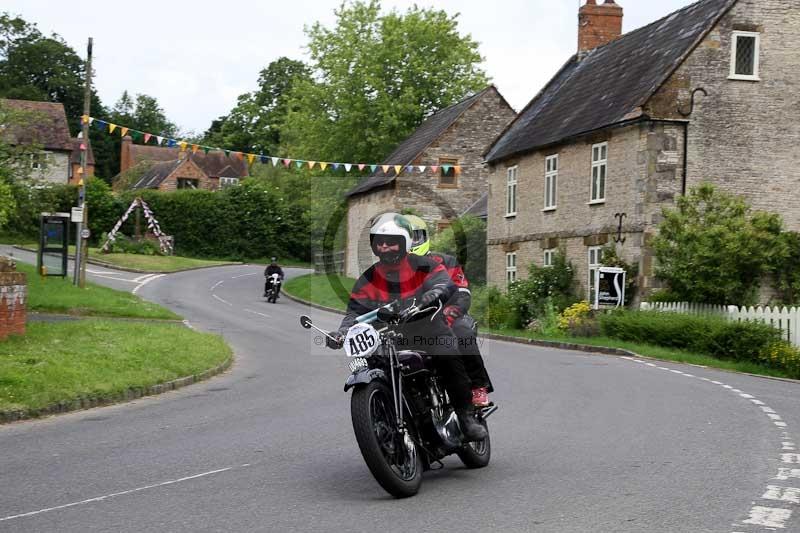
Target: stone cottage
[450,145]
[168,169]
[630,122]
[58,160]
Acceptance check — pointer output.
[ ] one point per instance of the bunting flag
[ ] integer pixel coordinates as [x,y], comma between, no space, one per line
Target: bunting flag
[265,159]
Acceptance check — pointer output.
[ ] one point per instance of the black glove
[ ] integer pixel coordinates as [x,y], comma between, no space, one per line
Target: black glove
[335,343]
[429,298]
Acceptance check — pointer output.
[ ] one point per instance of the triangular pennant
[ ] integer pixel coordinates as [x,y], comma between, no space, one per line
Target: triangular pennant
[147,138]
[274,161]
[206,149]
[397,169]
[373,167]
[91,119]
[80,170]
[336,166]
[136,135]
[361,166]
[298,163]
[111,128]
[311,164]
[385,168]
[251,158]
[171,143]
[84,119]
[264,159]
[183,145]
[347,167]
[100,125]
[123,132]
[445,168]
[434,168]
[409,169]
[83,146]
[227,153]
[323,165]
[238,155]
[422,168]
[159,139]
[195,148]
[457,170]
[287,162]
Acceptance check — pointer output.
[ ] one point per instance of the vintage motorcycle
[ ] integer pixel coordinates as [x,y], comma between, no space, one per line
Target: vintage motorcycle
[274,285]
[403,420]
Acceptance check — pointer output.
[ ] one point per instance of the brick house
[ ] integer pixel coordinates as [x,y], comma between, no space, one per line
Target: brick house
[629,123]
[59,158]
[455,136]
[171,169]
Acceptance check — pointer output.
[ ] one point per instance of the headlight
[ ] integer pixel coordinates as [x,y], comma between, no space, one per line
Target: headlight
[358,363]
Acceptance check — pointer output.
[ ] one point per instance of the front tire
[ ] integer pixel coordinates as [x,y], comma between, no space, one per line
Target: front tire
[396,466]
[476,454]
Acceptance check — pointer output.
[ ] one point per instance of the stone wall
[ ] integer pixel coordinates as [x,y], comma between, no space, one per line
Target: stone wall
[13,299]
[361,209]
[56,169]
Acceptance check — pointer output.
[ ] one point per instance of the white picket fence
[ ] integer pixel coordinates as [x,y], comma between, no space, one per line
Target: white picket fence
[786,319]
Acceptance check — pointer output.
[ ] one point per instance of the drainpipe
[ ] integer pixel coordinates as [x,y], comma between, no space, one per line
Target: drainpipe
[686,114]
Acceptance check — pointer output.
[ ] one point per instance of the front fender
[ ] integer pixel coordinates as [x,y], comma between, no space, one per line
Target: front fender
[362,377]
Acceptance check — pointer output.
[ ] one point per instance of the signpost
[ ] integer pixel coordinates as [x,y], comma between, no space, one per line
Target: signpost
[53,241]
[609,283]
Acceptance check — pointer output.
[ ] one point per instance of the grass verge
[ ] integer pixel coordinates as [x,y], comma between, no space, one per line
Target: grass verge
[317,289]
[58,295]
[330,291]
[64,361]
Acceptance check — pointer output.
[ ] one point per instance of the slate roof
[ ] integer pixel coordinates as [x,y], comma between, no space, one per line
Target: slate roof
[480,208]
[214,164]
[48,125]
[609,84]
[156,174]
[405,153]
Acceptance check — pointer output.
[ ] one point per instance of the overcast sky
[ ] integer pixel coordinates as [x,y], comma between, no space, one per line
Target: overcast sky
[196,57]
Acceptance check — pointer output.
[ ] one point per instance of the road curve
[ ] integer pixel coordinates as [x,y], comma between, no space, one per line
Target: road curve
[581,442]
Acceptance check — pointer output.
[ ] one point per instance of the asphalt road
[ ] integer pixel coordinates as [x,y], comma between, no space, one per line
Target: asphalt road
[581,443]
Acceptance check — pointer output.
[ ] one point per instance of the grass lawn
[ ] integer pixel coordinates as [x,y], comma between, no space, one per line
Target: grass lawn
[59,295]
[317,288]
[63,361]
[147,263]
[330,291]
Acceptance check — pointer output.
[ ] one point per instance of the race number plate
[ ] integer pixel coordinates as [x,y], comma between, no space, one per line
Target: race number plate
[361,341]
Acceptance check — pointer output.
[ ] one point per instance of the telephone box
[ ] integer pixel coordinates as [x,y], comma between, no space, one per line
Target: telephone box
[53,244]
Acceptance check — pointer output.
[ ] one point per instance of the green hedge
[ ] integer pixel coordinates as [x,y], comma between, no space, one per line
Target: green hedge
[711,335]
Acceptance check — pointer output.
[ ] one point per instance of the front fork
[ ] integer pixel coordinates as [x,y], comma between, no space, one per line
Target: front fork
[397,383]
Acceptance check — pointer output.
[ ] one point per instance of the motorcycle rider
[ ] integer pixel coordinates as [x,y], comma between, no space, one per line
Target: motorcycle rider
[271,269]
[456,312]
[399,275]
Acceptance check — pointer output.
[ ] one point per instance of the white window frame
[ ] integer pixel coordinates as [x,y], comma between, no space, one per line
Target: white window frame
[550,183]
[511,190]
[511,268]
[39,161]
[594,257]
[547,257]
[597,195]
[225,181]
[756,53]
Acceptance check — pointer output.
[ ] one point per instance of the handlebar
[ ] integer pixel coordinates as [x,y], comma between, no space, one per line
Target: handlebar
[405,314]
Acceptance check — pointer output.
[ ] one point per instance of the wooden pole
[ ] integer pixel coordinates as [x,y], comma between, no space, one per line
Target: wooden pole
[81,242]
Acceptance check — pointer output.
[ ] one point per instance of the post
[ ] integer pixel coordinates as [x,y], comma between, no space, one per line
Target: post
[81,242]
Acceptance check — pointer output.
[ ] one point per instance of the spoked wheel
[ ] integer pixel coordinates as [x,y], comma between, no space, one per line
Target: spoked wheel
[391,457]
[476,454]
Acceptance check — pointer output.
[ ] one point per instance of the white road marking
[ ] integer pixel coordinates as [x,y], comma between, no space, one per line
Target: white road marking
[716,382]
[768,517]
[788,445]
[245,275]
[146,281]
[186,323]
[792,458]
[757,402]
[767,409]
[108,496]
[257,313]
[780,424]
[221,300]
[747,396]
[774,416]
[782,494]
[217,284]
[113,277]
[142,278]
[784,474]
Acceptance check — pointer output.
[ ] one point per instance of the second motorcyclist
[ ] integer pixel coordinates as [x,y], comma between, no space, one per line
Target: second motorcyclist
[271,269]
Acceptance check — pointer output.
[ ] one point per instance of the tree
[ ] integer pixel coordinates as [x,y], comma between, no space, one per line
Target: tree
[254,125]
[713,249]
[466,240]
[376,78]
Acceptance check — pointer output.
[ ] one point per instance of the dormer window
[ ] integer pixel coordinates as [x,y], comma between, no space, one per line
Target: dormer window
[745,47]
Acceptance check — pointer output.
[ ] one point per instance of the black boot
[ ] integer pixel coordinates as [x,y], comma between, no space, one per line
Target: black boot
[473,431]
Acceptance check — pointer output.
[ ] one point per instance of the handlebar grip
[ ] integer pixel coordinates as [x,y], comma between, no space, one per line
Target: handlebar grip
[368,318]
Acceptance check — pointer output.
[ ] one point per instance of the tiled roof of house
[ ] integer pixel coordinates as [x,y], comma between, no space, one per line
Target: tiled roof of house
[430,130]
[213,163]
[610,84]
[156,174]
[48,126]
[480,208]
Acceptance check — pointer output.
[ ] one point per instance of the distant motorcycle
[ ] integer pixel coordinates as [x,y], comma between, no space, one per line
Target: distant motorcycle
[402,417]
[273,287]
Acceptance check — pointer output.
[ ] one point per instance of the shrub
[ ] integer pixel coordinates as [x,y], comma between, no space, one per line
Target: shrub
[782,355]
[578,320]
[491,308]
[465,239]
[710,335]
[553,285]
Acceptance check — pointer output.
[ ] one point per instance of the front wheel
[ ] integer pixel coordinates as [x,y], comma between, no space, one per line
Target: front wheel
[391,457]
[476,454]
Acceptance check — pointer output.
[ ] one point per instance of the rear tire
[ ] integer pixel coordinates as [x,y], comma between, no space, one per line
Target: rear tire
[476,454]
[372,408]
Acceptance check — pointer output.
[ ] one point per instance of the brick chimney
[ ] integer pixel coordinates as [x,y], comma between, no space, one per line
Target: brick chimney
[125,154]
[598,24]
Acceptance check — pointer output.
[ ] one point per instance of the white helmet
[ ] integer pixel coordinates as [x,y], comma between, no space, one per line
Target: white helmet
[392,227]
